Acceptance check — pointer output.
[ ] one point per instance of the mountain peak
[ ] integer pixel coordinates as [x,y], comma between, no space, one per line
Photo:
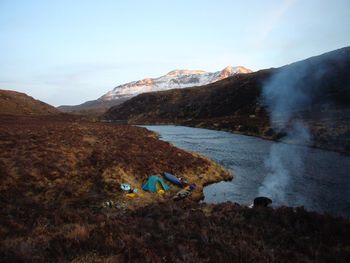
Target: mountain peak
[228,69]
[237,69]
[175,79]
[177,72]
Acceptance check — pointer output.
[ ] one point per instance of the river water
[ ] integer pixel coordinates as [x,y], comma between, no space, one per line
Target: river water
[323,183]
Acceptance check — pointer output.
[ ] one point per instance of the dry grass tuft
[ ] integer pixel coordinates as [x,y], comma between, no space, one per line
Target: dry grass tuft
[78,233]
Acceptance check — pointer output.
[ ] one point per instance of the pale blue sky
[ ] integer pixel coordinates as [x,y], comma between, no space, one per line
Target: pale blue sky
[67,52]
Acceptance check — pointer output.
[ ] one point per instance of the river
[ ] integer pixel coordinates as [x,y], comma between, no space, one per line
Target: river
[323,183]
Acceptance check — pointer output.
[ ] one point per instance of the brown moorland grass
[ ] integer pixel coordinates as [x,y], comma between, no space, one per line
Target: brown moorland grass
[67,160]
[55,172]
[18,103]
[180,232]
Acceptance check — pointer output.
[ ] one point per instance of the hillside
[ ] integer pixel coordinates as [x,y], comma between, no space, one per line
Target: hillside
[236,104]
[93,107]
[17,103]
[180,78]
[65,164]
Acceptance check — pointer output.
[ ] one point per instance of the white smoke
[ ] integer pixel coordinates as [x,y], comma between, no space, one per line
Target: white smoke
[283,161]
[287,93]
[305,86]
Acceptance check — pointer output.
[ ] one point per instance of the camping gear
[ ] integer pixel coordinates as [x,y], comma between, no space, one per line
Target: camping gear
[155,183]
[183,181]
[132,195]
[135,190]
[160,192]
[108,203]
[173,179]
[193,186]
[125,187]
[183,193]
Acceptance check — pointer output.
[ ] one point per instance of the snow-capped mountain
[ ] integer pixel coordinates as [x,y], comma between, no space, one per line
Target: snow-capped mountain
[174,79]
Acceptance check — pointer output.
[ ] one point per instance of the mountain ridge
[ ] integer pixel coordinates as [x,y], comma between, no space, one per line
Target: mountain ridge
[178,78]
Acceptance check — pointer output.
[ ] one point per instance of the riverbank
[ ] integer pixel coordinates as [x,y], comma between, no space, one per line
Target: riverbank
[73,160]
[247,157]
[331,134]
[55,170]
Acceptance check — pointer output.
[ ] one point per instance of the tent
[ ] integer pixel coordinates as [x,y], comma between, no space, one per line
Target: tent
[155,183]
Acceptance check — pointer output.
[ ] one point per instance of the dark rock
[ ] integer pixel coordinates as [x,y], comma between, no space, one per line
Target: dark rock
[262,201]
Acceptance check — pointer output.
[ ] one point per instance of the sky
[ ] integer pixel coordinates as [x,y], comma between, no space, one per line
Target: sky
[67,52]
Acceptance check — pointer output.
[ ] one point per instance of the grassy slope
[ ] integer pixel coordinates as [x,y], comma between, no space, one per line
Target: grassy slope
[16,103]
[52,159]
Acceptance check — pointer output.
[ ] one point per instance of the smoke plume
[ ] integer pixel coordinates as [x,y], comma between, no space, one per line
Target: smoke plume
[291,90]
[284,160]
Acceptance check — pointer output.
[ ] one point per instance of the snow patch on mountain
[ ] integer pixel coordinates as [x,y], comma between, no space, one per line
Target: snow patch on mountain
[180,78]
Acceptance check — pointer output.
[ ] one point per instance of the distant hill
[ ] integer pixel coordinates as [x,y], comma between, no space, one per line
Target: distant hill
[180,78]
[235,103]
[94,107]
[17,103]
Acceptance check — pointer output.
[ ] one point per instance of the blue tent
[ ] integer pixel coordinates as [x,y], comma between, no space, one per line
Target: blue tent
[155,183]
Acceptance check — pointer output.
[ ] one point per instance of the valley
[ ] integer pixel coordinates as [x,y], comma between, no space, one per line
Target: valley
[61,176]
[175,131]
[236,103]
